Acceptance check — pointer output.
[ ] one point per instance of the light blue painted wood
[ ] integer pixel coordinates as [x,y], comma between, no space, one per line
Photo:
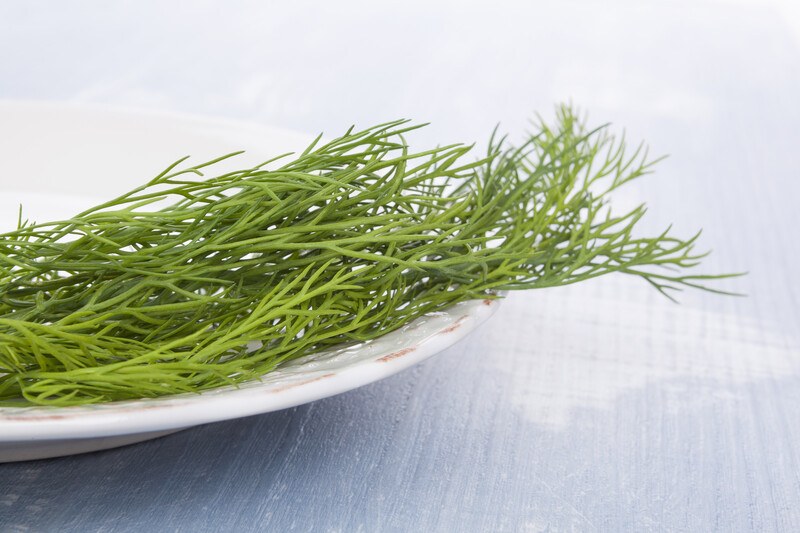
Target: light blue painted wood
[592,408]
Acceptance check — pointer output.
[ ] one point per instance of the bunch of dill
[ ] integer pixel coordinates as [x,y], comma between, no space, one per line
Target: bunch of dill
[160,290]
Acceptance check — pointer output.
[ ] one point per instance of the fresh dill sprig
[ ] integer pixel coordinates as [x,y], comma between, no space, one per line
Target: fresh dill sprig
[160,291]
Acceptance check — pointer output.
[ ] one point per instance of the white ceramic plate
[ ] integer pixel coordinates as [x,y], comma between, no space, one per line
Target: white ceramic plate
[58,159]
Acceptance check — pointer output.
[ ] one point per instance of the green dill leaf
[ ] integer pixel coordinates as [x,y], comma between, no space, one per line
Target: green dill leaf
[160,290]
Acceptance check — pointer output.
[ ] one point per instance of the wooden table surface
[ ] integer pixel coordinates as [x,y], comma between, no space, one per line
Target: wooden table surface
[598,407]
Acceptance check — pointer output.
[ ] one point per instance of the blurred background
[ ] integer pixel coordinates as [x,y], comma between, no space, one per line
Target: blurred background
[464,66]
[688,425]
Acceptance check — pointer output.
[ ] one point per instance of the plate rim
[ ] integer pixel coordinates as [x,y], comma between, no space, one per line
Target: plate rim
[182,411]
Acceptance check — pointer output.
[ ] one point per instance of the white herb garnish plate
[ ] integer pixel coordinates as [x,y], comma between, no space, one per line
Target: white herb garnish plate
[57,159]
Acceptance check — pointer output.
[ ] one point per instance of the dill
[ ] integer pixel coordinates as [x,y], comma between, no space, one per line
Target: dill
[160,291]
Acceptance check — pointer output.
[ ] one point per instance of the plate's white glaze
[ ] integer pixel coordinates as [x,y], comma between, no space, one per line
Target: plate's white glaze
[58,159]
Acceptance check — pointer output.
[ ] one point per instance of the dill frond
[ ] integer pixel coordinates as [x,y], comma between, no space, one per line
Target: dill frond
[159,291]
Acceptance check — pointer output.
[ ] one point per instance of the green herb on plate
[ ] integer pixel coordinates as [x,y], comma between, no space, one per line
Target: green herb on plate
[161,290]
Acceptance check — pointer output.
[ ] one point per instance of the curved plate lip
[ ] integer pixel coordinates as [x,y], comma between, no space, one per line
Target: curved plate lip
[308,382]
[137,416]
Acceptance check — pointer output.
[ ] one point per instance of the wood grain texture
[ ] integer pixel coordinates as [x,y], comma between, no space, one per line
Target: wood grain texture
[598,407]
